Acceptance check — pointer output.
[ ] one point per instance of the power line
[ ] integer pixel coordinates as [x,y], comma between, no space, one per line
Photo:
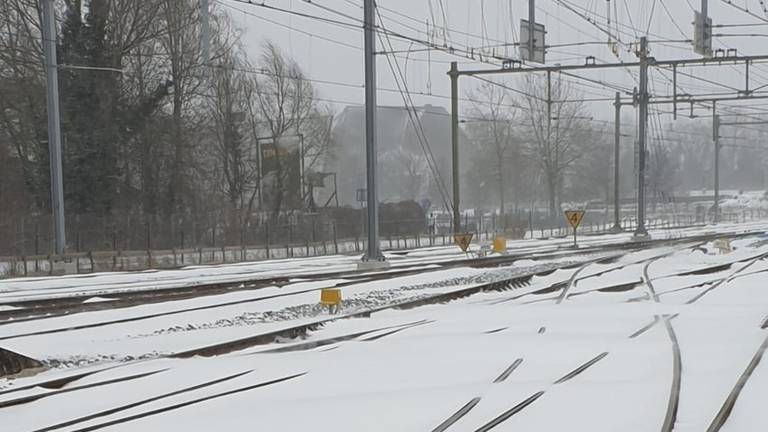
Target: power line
[594,22]
[345,84]
[745,10]
[468,52]
[471,53]
[430,45]
[420,134]
[313,35]
[410,18]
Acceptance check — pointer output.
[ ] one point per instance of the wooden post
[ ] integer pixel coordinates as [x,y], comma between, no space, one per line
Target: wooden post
[335,239]
[266,236]
[149,236]
[37,250]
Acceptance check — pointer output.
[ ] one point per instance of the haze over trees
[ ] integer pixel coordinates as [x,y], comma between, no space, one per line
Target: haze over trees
[156,139]
[523,154]
[151,134]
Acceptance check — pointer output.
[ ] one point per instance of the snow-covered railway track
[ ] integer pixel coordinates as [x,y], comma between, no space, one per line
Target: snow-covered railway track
[515,281]
[32,304]
[600,358]
[176,406]
[730,401]
[32,331]
[670,417]
[130,318]
[124,407]
[563,287]
[443,297]
[673,402]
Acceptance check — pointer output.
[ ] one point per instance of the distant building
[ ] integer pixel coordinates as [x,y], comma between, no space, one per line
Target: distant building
[404,173]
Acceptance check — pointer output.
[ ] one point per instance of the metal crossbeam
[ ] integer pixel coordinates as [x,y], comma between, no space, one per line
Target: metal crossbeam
[743,123]
[699,99]
[642,98]
[511,68]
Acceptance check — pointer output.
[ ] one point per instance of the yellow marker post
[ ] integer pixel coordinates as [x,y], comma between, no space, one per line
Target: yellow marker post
[574,218]
[500,244]
[331,297]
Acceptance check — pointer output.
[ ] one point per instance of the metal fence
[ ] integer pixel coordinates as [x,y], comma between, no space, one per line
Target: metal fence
[116,251]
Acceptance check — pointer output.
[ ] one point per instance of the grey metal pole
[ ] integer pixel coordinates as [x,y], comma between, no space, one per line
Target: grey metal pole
[704,12]
[616,154]
[716,127]
[373,252]
[455,145]
[643,95]
[531,27]
[549,125]
[54,128]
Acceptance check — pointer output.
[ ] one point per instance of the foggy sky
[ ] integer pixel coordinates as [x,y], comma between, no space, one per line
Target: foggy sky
[324,60]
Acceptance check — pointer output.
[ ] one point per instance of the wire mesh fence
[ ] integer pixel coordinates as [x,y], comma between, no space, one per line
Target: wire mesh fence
[96,244]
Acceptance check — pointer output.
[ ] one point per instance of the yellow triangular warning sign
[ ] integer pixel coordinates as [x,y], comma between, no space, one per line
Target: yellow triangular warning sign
[463,240]
[574,217]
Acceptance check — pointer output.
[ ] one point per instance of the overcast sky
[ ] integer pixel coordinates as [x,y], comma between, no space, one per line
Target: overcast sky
[329,52]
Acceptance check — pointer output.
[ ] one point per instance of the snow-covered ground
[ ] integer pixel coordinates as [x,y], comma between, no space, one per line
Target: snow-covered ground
[102,283]
[752,200]
[517,360]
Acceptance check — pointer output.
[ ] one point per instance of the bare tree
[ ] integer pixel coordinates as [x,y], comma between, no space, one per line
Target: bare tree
[553,127]
[231,105]
[99,114]
[286,100]
[492,128]
[662,170]
[317,128]
[181,46]
[22,103]
[592,175]
[153,134]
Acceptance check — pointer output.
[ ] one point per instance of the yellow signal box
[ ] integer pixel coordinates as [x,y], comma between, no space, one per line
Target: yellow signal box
[500,244]
[331,297]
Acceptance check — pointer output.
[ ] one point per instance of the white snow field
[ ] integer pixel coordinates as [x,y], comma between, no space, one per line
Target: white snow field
[100,283]
[596,354]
